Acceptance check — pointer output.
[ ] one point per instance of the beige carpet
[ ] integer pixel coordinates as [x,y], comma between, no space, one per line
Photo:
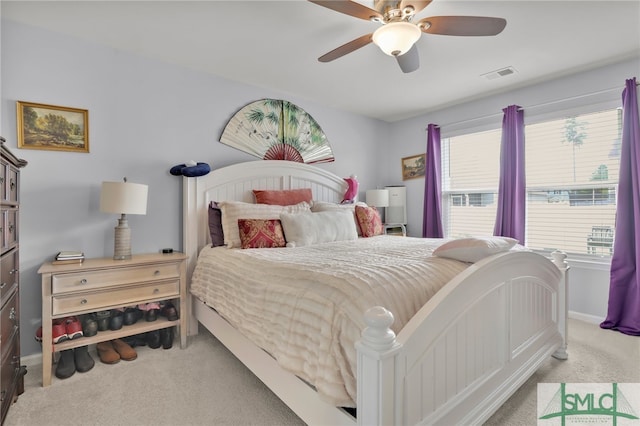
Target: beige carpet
[205,385]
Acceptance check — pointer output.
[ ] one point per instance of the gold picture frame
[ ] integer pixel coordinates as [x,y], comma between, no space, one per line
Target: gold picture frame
[413,167]
[52,127]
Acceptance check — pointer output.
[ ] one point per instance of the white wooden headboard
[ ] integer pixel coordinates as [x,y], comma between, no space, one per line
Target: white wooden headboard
[235,183]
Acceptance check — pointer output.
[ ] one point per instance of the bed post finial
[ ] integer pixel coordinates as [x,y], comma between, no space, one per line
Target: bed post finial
[377,350]
[378,334]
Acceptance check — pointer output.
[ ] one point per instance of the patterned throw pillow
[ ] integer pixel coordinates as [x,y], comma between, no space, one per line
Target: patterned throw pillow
[369,221]
[261,233]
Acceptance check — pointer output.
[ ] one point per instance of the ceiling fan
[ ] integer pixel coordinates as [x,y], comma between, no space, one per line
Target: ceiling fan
[397,36]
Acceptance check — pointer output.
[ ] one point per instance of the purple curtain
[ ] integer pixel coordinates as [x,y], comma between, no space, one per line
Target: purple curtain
[510,218]
[624,286]
[432,215]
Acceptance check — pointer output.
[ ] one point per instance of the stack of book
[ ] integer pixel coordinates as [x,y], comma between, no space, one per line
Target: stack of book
[65,257]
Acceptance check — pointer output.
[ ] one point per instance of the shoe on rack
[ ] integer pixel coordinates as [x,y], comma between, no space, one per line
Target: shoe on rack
[89,325]
[149,310]
[125,351]
[73,327]
[107,353]
[130,316]
[116,320]
[151,315]
[103,320]
[83,360]
[38,335]
[169,311]
[66,365]
[153,339]
[166,337]
[59,331]
[135,340]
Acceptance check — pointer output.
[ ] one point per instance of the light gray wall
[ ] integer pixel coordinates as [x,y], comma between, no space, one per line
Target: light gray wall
[144,117]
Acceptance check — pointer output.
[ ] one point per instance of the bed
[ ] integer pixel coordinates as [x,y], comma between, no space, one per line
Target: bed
[479,336]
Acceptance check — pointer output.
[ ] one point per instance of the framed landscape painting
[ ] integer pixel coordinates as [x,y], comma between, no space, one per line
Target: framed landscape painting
[413,167]
[53,128]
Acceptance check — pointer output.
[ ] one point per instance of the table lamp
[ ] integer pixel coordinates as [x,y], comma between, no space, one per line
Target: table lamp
[123,198]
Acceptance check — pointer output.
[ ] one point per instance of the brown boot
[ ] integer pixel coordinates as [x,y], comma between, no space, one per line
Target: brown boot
[107,354]
[126,352]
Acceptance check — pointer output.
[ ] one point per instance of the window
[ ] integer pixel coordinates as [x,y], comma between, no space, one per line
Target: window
[572,167]
[471,168]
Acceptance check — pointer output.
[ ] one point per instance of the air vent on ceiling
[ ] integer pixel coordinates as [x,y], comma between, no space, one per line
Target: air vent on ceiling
[503,72]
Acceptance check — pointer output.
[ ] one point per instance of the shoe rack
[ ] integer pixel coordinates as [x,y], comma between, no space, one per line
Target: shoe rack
[102,284]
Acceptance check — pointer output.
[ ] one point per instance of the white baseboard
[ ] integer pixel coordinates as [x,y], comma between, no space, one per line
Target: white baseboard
[585,317]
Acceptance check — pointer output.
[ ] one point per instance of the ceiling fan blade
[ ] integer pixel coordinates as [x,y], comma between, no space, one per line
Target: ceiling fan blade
[410,61]
[350,8]
[417,5]
[346,48]
[462,25]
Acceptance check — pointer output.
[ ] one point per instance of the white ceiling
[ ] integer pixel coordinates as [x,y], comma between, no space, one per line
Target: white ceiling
[275,44]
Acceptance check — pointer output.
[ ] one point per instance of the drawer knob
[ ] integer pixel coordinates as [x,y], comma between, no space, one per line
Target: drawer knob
[2,285]
[157,272]
[12,314]
[83,281]
[83,302]
[156,291]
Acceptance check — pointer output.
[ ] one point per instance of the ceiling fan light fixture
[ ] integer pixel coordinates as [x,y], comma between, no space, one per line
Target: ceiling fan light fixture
[396,38]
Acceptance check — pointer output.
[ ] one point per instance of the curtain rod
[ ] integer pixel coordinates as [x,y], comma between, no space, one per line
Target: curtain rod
[530,107]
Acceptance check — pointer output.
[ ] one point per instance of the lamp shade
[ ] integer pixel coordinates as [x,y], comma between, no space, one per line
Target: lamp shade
[377,197]
[123,198]
[396,38]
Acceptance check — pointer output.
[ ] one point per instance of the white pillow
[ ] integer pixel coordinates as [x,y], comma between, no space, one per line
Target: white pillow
[474,249]
[323,206]
[234,210]
[315,228]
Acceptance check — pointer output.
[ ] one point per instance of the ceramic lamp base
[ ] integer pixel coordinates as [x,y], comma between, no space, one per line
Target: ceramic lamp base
[122,246]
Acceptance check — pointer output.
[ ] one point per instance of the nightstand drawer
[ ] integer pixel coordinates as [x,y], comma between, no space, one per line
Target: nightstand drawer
[123,296]
[88,280]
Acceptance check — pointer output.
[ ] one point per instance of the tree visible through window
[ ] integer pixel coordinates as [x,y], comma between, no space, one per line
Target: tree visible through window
[572,167]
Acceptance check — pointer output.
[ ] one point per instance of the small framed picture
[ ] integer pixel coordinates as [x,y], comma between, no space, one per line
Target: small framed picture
[52,128]
[413,167]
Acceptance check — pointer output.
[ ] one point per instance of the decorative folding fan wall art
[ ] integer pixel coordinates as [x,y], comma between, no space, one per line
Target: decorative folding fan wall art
[273,129]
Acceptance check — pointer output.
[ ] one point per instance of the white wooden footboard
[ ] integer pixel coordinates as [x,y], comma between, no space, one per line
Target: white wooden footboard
[468,349]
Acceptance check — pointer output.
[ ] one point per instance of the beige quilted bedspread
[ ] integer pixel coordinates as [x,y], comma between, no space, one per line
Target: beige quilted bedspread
[305,305]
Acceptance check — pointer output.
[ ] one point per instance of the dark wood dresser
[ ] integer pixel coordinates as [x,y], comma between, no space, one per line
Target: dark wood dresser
[11,379]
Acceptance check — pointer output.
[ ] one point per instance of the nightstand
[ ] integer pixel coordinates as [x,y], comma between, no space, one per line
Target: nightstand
[103,284]
[395,229]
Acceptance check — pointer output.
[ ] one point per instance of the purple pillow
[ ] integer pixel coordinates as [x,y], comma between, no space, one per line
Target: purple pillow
[215,225]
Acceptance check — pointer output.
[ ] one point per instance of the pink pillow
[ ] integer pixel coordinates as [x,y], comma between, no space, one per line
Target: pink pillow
[369,221]
[284,197]
[261,233]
